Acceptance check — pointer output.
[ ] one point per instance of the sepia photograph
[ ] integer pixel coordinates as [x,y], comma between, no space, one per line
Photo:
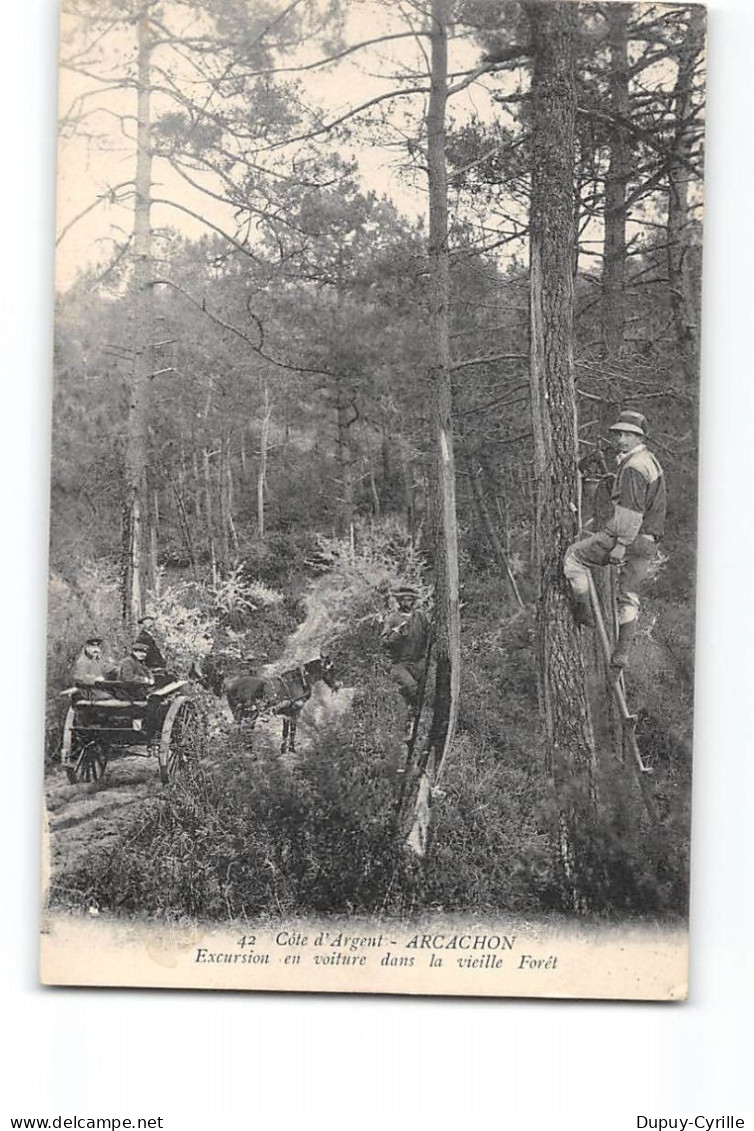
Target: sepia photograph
[373,496]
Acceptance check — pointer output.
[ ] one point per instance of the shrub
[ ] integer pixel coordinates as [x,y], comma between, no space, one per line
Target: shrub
[238,837]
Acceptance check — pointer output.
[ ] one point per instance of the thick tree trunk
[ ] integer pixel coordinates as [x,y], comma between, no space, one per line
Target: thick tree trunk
[684,243]
[614,264]
[447,620]
[135,562]
[568,736]
[447,604]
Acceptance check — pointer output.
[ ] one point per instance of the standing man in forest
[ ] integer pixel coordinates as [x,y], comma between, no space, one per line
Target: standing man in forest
[630,537]
[405,635]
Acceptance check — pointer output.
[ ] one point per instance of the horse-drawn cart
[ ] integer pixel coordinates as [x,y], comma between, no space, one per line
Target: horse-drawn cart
[132,719]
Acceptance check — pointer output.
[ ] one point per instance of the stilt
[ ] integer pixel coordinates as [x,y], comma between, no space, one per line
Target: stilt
[615,680]
[415,721]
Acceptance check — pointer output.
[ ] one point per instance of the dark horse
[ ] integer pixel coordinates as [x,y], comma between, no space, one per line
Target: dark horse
[249,696]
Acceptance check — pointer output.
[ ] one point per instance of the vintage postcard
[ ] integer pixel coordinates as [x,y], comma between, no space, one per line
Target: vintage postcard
[374,476]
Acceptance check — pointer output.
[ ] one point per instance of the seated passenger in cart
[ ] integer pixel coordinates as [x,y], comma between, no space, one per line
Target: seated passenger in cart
[133,670]
[153,659]
[89,671]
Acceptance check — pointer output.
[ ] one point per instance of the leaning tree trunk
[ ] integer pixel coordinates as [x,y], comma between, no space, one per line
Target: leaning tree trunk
[135,561]
[563,693]
[447,635]
[614,263]
[682,244]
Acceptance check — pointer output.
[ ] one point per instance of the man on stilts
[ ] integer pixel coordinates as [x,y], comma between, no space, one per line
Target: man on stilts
[629,540]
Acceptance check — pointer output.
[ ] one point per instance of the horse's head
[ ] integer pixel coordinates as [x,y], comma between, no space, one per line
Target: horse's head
[207,673]
[327,671]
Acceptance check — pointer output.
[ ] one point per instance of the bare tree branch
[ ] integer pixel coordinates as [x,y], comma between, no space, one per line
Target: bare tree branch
[256,346]
[109,195]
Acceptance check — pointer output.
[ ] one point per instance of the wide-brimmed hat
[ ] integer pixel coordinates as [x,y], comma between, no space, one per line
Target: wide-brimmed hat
[630,422]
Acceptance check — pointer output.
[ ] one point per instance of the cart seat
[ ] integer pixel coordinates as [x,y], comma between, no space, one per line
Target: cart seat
[95,704]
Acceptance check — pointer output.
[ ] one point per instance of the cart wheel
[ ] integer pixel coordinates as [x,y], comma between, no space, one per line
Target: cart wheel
[83,761]
[88,762]
[181,738]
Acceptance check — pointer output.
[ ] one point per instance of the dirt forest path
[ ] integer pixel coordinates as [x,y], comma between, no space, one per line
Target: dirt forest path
[86,816]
